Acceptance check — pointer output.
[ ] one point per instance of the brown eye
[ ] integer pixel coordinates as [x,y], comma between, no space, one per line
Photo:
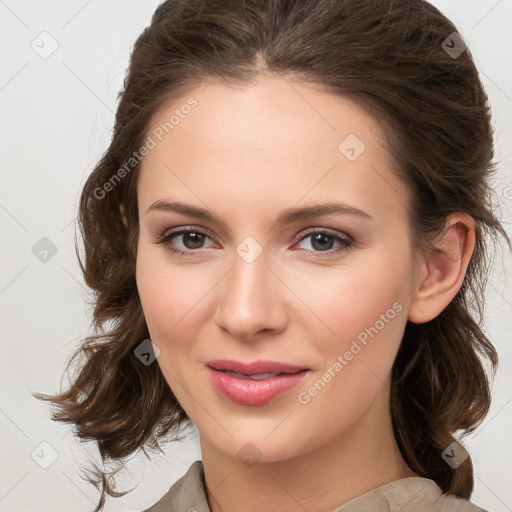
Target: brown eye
[192,239]
[323,241]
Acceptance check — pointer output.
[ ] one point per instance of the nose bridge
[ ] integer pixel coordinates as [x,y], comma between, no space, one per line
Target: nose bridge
[249,296]
[249,282]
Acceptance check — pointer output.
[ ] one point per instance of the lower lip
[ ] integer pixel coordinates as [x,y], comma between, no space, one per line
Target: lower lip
[253,392]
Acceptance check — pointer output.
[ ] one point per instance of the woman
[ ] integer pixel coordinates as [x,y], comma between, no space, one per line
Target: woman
[286,237]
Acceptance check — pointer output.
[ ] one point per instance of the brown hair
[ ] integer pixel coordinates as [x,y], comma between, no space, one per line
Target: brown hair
[389,57]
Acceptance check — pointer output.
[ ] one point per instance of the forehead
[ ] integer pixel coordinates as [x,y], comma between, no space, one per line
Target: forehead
[275,138]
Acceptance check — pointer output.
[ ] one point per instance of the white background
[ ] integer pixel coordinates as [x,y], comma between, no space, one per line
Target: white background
[56,119]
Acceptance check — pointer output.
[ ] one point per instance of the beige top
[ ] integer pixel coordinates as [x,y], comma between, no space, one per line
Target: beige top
[414,494]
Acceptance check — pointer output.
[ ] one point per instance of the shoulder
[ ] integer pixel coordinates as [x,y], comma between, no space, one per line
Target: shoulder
[450,502]
[414,494]
[186,494]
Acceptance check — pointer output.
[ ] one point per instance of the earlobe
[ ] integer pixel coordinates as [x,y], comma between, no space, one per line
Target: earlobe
[444,269]
[123,215]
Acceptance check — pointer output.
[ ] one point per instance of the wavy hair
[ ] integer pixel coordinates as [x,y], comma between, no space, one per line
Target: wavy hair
[390,57]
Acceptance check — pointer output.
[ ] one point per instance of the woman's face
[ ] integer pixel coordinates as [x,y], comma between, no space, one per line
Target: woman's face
[265,277]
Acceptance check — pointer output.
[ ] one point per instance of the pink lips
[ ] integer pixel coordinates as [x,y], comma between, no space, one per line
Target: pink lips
[247,384]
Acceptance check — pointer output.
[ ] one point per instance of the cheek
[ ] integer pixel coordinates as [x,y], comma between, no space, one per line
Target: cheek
[368,318]
[170,299]
[176,301]
[350,299]
[167,293]
[364,308]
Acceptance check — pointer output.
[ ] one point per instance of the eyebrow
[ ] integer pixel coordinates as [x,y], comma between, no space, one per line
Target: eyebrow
[288,216]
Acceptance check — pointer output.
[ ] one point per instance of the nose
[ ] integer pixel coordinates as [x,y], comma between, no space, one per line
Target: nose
[250,300]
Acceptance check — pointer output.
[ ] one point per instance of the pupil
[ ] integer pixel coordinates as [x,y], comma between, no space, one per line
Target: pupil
[318,237]
[195,243]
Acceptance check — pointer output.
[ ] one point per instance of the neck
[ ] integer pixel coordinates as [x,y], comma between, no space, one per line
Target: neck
[357,461]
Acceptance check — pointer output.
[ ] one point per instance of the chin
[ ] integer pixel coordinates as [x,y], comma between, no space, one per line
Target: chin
[261,441]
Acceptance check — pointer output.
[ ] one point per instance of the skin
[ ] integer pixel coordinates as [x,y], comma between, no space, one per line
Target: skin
[246,154]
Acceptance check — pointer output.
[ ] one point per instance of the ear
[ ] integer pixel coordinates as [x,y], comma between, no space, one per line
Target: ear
[443,268]
[123,215]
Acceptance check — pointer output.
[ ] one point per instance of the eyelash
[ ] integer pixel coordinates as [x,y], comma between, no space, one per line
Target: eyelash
[166,238]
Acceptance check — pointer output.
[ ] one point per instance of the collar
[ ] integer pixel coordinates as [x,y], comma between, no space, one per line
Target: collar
[413,494]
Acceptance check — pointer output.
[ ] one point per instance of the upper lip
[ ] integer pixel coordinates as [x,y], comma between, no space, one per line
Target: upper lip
[255,367]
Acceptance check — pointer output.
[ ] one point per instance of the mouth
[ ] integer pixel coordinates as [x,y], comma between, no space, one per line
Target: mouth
[256,376]
[255,383]
[254,368]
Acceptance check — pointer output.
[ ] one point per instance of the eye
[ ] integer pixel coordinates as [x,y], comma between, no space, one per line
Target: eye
[322,242]
[192,238]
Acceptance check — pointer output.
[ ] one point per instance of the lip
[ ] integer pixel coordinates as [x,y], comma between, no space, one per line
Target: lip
[253,368]
[245,391]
